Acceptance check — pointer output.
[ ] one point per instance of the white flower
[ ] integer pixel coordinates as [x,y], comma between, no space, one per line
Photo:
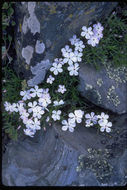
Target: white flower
[11,108]
[74,40]
[88,123]
[79,46]
[50,79]
[58,103]
[29,123]
[91,118]
[102,117]
[24,119]
[24,114]
[29,132]
[62,89]
[45,99]
[68,125]
[43,102]
[25,94]
[14,107]
[7,106]
[45,92]
[93,41]
[36,124]
[87,32]
[65,50]
[60,60]
[76,116]
[38,111]
[36,91]
[56,68]
[98,27]
[69,58]
[56,115]
[105,125]
[99,35]
[78,56]
[32,106]
[73,69]
[20,106]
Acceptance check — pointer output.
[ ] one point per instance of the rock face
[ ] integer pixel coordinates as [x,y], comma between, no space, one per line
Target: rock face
[58,158]
[43,28]
[106,87]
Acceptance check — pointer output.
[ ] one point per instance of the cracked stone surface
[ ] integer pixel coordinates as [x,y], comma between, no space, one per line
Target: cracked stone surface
[51,158]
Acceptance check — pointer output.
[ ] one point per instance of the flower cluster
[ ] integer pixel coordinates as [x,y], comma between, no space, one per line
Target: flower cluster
[93,36]
[102,120]
[73,57]
[35,101]
[31,112]
[73,118]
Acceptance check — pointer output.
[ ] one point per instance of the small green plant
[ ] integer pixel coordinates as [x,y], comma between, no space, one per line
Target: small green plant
[113,44]
[7,22]
[11,82]
[11,85]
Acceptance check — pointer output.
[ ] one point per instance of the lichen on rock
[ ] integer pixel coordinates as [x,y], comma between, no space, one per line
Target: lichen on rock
[25,25]
[27,53]
[39,47]
[31,7]
[33,24]
[99,82]
[39,72]
[97,161]
[95,85]
[119,74]
[88,86]
[112,96]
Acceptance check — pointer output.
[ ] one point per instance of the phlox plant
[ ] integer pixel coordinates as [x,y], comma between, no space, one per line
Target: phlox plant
[57,98]
[112,46]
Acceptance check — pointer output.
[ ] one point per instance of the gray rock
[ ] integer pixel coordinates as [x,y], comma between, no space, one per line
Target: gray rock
[106,87]
[51,23]
[39,72]
[52,158]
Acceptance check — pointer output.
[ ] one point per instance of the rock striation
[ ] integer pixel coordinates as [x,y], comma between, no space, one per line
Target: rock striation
[58,158]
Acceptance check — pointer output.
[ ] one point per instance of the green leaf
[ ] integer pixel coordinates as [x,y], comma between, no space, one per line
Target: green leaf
[9,38]
[4,27]
[5,24]
[4,17]
[10,11]
[13,23]
[5,6]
